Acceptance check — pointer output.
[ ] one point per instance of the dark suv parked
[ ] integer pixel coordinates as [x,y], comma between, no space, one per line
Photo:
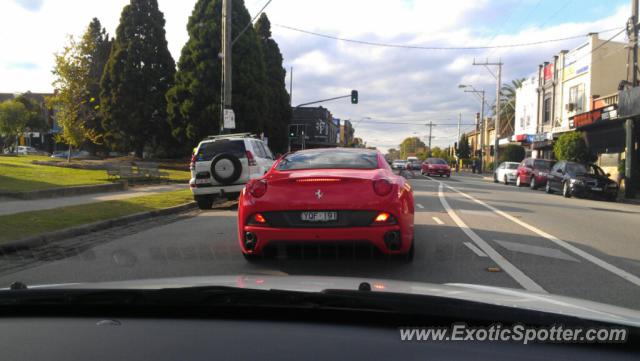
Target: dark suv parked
[581,180]
[533,172]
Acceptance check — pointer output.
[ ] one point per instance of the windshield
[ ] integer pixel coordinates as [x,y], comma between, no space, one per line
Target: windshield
[336,159]
[436,161]
[336,140]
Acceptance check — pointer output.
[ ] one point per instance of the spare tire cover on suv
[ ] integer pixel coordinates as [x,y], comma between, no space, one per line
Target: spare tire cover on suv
[226,168]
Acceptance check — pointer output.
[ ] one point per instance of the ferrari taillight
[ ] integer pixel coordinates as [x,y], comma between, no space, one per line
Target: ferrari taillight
[257,188]
[382,187]
[259,218]
[384,218]
[317,180]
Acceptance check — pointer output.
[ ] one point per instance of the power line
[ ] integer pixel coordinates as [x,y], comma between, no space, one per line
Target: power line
[418,47]
[251,22]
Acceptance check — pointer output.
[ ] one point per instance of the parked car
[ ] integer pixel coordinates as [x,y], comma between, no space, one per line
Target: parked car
[399,164]
[506,172]
[74,155]
[222,165]
[328,196]
[436,166]
[26,150]
[576,179]
[533,172]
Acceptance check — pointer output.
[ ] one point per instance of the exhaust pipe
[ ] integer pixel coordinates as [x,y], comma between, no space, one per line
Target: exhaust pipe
[249,240]
[392,240]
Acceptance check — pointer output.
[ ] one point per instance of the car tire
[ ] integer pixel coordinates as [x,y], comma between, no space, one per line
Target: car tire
[566,192]
[506,181]
[205,201]
[518,182]
[448,175]
[532,183]
[224,175]
[548,189]
[409,256]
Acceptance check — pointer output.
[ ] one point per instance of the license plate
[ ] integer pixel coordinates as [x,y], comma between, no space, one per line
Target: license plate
[203,181]
[597,189]
[319,216]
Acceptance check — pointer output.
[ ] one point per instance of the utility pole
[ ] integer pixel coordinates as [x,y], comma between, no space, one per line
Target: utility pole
[291,87]
[459,121]
[497,121]
[226,58]
[430,126]
[630,161]
[482,133]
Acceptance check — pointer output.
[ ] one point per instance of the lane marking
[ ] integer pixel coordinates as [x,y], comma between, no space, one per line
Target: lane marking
[475,249]
[519,276]
[569,247]
[438,220]
[536,250]
[420,205]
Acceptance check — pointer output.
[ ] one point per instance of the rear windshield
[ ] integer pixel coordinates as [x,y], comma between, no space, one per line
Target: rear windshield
[329,160]
[436,161]
[512,165]
[576,168]
[209,150]
[542,164]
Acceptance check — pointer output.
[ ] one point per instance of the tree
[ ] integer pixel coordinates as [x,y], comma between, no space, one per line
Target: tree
[572,147]
[410,147]
[13,121]
[138,74]
[464,150]
[35,121]
[278,101]
[194,101]
[74,107]
[393,154]
[508,104]
[512,153]
[96,46]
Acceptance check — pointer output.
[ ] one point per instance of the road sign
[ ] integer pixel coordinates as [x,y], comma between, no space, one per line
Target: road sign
[229,119]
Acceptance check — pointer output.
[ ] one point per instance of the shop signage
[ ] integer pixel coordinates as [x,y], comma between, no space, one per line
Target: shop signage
[548,72]
[576,62]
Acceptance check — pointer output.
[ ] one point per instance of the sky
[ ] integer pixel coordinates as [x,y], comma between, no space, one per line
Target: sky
[395,85]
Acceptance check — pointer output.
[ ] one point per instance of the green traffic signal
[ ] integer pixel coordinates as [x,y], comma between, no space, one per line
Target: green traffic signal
[354,97]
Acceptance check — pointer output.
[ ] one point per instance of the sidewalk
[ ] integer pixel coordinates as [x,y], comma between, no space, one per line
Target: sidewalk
[17,206]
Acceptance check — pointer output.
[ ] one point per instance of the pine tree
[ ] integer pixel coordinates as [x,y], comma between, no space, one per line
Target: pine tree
[194,102]
[279,109]
[139,72]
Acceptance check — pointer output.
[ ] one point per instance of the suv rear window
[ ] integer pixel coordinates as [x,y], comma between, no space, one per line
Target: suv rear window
[542,164]
[329,160]
[209,150]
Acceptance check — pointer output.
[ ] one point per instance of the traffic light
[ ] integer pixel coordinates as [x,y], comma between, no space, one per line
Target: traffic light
[292,131]
[354,97]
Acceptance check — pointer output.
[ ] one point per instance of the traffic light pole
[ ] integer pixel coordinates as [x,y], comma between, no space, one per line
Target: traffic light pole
[630,141]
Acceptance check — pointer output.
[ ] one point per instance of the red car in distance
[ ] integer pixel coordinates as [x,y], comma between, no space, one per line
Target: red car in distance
[533,172]
[327,196]
[435,166]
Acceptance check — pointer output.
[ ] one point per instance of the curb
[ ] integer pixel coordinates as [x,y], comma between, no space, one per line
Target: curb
[51,237]
[67,191]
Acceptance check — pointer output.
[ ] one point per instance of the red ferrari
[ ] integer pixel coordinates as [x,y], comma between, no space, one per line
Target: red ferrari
[326,196]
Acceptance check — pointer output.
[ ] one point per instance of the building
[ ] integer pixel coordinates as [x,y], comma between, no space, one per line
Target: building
[346,133]
[566,87]
[39,138]
[313,127]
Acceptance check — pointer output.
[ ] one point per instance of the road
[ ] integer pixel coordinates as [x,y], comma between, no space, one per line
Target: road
[467,231]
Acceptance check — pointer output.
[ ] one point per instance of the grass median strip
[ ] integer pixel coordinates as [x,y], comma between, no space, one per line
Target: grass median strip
[26,224]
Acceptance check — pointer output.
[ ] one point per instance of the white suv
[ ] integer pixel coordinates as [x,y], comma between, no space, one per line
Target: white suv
[222,164]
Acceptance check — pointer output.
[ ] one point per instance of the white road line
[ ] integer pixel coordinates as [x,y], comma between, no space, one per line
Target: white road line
[571,248]
[438,220]
[507,266]
[475,249]
[535,250]
[420,205]
[478,213]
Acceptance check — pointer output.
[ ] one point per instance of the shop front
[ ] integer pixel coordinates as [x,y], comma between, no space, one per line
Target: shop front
[541,145]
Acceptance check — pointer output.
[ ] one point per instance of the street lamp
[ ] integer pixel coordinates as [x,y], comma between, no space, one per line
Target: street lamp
[481,92]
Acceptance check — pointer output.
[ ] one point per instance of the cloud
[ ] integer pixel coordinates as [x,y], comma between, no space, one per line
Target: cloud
[395,85]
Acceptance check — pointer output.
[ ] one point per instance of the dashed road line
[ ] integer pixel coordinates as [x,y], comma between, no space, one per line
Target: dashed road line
[438,220]
[569,247]
[519,276]
[475,249]
[420,205]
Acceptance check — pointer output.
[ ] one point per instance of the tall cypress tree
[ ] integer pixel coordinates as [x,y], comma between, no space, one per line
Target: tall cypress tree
[96,46]
[194,101]
[139,72]
[279,111]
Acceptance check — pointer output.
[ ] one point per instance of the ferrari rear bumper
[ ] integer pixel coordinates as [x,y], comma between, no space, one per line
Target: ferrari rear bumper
[373,234]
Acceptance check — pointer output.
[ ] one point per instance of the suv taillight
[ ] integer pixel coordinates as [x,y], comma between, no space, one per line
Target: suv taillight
[251,159]
[192,166]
